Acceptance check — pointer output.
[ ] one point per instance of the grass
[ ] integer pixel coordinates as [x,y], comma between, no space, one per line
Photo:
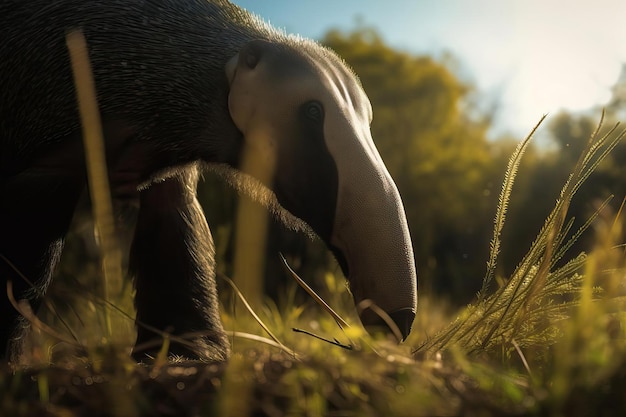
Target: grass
[548,340]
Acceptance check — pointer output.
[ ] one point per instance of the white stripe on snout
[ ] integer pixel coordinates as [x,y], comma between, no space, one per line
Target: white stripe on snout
[356,112]
[370,225]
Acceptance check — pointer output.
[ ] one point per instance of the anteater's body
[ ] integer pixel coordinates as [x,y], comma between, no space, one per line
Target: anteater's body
[166,101]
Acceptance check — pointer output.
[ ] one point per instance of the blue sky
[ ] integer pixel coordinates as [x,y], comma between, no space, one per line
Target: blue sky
[528,57]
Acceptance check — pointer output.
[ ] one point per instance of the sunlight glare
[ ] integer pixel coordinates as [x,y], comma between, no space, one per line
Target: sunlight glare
[565,61]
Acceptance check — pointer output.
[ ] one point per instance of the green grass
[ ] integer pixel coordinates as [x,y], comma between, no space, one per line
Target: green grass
[548,340]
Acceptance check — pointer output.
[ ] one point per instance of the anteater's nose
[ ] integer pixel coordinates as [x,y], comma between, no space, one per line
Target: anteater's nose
[402,318]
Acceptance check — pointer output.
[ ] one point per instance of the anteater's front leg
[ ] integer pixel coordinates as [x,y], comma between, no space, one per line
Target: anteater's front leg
[172,260]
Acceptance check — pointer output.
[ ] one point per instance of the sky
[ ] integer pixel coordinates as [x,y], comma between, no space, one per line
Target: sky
[524,57]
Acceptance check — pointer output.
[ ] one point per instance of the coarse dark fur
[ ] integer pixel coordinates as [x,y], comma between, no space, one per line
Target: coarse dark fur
[162,93]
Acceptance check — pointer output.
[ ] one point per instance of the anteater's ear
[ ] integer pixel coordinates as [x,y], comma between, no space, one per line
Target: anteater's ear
[248,57]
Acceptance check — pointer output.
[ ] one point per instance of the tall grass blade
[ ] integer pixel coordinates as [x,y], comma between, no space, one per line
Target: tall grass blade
[96,169]
[254,315]
[503,203]
[340,322]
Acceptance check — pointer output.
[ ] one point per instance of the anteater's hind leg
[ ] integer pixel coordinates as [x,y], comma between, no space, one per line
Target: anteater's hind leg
[35,213]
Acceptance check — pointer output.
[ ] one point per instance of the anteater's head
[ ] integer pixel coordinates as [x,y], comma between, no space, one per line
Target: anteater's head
[306,125]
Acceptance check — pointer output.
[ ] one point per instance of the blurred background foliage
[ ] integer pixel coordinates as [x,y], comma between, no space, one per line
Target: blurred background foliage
[435,141]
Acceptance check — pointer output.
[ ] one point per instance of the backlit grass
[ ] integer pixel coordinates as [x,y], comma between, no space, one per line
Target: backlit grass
[547,340]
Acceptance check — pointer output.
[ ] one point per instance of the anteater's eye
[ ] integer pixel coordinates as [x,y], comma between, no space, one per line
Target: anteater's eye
[314,111]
